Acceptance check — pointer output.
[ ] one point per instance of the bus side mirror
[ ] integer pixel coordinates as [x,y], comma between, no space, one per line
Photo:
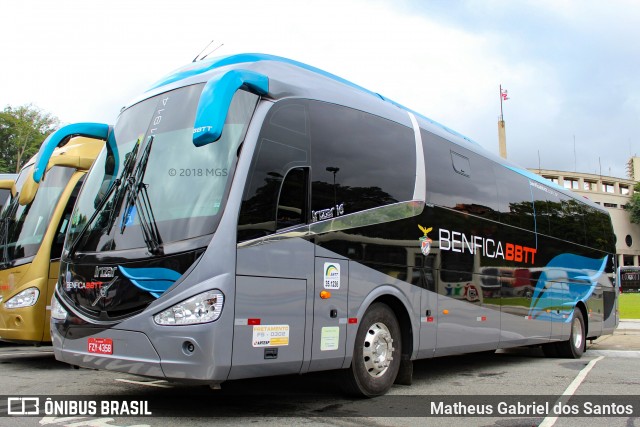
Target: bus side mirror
[90,130]
[215,101]
[78,153]
[8,184]
[28,191]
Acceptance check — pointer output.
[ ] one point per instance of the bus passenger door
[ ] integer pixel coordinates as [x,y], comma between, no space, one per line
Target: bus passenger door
[274,275]
[330,320]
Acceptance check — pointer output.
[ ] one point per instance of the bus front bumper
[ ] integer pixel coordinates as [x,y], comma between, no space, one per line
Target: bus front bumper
[23,325]
[131,352]
[186,356]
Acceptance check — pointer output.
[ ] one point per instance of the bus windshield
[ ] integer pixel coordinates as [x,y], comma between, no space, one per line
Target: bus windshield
[22,228]
[155,178]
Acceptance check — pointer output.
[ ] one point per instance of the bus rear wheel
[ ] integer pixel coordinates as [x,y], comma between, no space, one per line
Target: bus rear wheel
[376,356]
[574,347]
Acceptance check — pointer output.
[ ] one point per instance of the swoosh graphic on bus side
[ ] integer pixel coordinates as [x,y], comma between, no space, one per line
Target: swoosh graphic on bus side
[565,280]
[155,280]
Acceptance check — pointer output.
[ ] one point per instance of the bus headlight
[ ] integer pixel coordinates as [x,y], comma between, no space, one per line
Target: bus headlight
[202,308]
[57,310]
[26,298]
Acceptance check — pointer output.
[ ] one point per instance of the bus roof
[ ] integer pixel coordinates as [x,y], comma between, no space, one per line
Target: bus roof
[292,81]
[205,66]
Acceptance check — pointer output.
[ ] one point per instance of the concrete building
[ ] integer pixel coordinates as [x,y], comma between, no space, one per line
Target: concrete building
[612,193]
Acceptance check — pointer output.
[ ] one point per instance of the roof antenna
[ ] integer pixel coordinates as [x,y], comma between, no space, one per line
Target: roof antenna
[205,48]
[221,44]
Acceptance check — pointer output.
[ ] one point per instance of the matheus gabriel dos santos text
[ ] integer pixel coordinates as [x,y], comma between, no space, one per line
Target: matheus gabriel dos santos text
[585,408]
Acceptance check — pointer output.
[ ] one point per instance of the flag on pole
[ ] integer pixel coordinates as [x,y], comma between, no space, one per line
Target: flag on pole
[503,94]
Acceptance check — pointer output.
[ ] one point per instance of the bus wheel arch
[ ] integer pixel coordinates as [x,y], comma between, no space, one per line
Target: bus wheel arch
[406,329]
[376,354]
[583,309]
[405,373]
[574,347]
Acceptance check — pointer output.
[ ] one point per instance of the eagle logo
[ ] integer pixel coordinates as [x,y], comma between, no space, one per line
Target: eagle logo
[425,241]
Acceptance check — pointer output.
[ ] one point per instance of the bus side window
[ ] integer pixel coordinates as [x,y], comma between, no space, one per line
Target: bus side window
[515,198]
[58,239]
[282,149]
[465,183]
[359,161]
[292,201]
[541,209]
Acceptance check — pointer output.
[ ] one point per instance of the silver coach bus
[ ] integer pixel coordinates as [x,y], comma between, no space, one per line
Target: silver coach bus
[252,216]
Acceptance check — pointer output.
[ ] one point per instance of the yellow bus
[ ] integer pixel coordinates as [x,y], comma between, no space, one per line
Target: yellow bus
[5,191]
[33,223]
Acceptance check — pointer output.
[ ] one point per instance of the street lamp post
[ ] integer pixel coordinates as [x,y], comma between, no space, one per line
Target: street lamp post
[334,170]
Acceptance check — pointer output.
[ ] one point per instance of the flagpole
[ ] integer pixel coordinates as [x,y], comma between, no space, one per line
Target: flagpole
[502,137]
[501,114]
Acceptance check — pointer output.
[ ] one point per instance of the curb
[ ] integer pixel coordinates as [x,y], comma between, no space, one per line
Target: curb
[626,332]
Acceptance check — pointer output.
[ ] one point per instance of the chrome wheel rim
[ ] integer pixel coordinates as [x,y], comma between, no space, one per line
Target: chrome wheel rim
[577,333]
[377,349]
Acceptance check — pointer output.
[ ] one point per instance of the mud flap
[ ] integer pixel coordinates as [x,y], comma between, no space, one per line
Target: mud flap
[405,373]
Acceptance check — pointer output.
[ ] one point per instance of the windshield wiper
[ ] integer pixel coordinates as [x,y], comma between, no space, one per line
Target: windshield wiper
[127,170]
[103,202]
[138,197]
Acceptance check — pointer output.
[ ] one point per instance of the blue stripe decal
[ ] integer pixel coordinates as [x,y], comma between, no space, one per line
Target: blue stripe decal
[534,177]
[155,280]
[91,130]
[211,64]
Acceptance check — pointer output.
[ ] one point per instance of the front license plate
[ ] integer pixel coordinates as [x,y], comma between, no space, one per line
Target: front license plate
[100,345]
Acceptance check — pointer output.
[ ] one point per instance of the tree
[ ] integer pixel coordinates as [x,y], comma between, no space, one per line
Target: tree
[633,207]
[22,131]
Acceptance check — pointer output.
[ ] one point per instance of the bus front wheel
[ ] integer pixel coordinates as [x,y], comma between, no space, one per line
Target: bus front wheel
[376,356]
[574,347]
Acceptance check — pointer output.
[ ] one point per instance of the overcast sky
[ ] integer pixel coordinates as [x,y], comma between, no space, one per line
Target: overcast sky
[571,67]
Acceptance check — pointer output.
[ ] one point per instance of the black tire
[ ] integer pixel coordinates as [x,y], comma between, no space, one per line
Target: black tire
[379,331]
[574,347]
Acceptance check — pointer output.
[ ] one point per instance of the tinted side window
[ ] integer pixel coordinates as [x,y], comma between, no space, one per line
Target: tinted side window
[458,178]
[556,218]
[547,207]
[558,224]
[359,161]
[573,220]
[292,201]
[597,229]
[569,220]
[514,194]
[608,235]
[542,212]
[283,145]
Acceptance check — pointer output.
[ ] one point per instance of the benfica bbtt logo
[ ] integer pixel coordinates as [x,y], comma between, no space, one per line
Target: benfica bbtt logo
[425,241]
